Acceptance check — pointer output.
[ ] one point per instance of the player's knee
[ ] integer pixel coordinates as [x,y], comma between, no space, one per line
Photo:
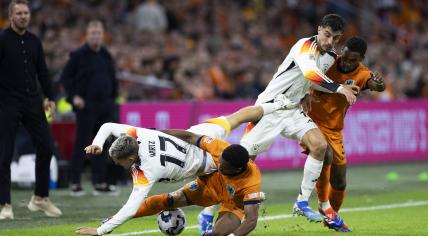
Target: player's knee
[319,146]
[220,231]
[338,184]
[169,202]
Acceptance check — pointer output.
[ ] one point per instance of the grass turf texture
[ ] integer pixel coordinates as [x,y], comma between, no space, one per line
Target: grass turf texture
[367,186]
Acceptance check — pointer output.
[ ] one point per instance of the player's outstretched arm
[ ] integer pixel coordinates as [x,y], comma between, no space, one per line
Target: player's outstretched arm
[305,58]
[376,82]
[105,131]
[250,221]
[183,135]
[128,211]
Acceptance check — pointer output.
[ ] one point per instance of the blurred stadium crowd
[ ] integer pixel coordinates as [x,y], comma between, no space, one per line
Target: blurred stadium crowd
[222,49]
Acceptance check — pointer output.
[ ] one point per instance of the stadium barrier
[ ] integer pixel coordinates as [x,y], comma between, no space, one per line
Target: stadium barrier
[375,132]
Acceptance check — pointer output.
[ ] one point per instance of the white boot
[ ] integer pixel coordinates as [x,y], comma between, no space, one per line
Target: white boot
[6,212]
[44,205]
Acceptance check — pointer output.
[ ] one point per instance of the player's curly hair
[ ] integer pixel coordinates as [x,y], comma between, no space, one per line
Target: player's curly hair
[336,22]
[236,155]
[356,44]
[124,147]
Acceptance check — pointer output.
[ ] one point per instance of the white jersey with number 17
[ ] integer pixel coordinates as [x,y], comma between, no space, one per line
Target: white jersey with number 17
[162,158]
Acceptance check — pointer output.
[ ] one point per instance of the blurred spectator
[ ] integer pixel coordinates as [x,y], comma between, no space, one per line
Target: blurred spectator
[150,17]
[207,37]
[89,79]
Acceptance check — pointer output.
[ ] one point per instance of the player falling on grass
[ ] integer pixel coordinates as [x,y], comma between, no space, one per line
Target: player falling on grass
[235,186]
[154,156]
[328,111]
[303,68]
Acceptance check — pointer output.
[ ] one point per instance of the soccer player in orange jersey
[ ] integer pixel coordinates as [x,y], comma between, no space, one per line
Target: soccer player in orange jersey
[236,186]
[328,111]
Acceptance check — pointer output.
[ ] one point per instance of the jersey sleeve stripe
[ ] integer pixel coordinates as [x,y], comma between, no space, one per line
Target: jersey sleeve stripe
[198,142]
[220,121]
[306,47]
[252,202]
[139,178]
[318,79]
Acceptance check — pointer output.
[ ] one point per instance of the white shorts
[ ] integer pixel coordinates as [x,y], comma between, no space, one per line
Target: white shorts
[215,129]
[293,123]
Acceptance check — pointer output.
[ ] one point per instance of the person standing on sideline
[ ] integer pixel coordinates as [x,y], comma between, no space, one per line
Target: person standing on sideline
[22,63]
[89,79]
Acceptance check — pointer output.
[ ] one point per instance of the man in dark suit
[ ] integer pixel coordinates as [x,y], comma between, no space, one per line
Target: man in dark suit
[22,65]
[90,82]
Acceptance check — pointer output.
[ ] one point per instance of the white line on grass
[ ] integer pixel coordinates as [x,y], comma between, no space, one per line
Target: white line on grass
[283,216]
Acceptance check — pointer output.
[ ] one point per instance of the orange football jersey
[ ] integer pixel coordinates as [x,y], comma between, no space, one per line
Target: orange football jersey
[330,109]
[242,189]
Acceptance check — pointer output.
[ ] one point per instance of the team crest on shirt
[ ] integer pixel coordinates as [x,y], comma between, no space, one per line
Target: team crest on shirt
[325,67]
[230,190]
[350,82]
[256,147]
[193,186]
[208,140]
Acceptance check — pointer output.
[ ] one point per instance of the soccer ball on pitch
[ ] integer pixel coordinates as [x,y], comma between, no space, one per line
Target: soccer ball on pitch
[172,222]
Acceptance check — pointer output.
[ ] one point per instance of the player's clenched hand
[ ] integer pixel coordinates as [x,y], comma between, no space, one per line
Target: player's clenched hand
[378,78]
[93,149]
[86,231]
[306,102]
[347,91]
[353,87]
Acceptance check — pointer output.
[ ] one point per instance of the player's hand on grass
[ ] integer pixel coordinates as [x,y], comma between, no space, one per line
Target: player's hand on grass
[348,92]
[86,231]
[93,149]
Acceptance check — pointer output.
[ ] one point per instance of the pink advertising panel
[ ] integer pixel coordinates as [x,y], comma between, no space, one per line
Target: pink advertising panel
[157,115]
[374,132]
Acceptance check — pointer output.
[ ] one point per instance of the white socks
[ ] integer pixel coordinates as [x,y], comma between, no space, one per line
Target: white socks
[311,173]
[325,205]
[210,210]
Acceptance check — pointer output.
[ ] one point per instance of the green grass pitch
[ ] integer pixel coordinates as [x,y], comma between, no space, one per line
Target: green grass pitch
[373,206]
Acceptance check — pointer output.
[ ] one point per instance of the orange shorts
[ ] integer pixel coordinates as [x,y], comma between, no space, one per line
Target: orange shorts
[335,140]
[208,191]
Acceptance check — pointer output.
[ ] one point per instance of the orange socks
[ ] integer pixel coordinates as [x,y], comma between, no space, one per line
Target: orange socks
[336,198]
[153,205]
[323,184]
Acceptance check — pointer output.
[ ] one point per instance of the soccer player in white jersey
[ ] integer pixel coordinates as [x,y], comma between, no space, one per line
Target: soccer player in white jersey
[159,157]
[302,69]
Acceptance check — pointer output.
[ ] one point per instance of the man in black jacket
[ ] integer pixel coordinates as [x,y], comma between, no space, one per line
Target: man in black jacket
[22,64]
[90,82]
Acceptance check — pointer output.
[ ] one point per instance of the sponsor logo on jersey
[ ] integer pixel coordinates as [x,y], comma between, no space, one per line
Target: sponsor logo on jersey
[193,186]
[230,190]
[350,82]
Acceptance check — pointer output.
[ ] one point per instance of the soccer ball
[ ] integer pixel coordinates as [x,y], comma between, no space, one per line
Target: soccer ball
[172,222]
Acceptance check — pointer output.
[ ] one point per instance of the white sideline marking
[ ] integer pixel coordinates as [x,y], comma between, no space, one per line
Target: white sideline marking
[283,216]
